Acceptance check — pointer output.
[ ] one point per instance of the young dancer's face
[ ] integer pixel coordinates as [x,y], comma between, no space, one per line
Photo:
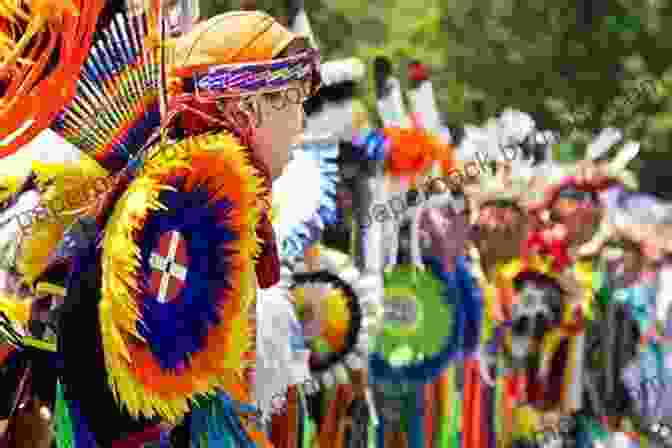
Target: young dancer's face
[280,126]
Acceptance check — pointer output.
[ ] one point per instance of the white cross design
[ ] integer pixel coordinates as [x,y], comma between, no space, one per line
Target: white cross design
[158,262]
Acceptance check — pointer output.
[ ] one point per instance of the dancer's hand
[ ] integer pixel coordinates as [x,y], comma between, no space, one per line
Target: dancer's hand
[571,285]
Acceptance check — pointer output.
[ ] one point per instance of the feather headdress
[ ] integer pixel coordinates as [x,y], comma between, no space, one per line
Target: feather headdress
[116,107]
[42,46]
[333,111]
[594,173]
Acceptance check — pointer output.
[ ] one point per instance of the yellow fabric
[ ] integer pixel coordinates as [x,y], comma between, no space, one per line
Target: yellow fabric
[527,421]
[9,187]
[44,288]
[17,310]
[14,171]
[235,37]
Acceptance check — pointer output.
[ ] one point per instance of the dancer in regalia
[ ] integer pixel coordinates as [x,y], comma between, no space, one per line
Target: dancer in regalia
[160,295]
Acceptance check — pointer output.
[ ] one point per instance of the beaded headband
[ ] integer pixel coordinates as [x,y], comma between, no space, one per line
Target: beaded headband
[234,80]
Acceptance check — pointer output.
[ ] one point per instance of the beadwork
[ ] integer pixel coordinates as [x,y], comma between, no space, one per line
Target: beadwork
[240,79]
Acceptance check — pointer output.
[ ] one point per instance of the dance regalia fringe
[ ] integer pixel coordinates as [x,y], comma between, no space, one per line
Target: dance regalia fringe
[38,89]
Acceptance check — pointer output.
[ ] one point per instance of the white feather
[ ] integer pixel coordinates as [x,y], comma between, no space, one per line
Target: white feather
[48,147]
[391,108]
[335,119]
[12,222]
[342,70]
[607,138]
[296,194]
[278,365]
[625,156]
[515,126]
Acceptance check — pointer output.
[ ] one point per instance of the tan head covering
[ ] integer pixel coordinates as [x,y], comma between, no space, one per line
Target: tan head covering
[235,37]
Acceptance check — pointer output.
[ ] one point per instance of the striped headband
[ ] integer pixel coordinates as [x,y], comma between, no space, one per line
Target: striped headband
[233,80]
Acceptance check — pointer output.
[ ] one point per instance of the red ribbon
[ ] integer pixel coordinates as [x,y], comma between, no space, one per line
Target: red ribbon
[555,248]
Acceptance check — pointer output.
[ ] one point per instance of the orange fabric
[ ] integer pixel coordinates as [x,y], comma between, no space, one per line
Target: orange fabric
[414,151]
[472,422]
[431,396]
[29,94]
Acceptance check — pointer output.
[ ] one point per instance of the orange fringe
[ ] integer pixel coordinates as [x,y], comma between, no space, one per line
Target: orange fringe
[27,97]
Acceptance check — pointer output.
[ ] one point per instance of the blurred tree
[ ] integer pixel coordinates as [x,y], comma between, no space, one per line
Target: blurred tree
[570,64]
[564,61]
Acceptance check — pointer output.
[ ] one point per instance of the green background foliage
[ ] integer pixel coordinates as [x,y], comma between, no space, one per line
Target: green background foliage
[573,65]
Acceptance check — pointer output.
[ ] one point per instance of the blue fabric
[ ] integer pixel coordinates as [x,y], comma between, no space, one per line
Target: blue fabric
[472,301]
[416,424]
[83,437]
[641,301]
[215,421]
[371,146]
[176,329]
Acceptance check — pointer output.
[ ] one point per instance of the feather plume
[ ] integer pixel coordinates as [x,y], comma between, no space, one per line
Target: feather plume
[312,176]
[117,103]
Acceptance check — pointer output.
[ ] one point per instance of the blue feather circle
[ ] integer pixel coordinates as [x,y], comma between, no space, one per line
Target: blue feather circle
[175,329]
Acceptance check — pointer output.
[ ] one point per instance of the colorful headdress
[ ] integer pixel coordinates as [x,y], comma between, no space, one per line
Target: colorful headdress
[592,174]
[236,80]
[220,68]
